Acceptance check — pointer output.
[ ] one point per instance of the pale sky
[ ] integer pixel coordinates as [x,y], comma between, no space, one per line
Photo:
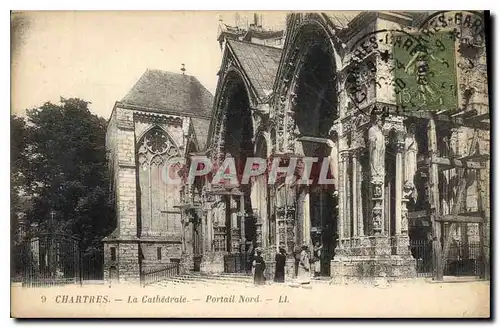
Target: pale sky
[98,56]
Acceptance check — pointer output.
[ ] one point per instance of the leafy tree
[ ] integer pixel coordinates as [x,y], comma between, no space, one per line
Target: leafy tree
[59,152]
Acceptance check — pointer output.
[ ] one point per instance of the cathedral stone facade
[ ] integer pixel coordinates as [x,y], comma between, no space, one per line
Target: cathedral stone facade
[163,117]
[356,90]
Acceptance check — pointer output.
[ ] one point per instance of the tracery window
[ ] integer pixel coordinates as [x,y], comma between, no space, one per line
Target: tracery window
[157,197]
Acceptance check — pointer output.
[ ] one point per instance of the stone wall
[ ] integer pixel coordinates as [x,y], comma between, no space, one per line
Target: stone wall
[364,268]
[109,264]
[124,127]
[126,264]
[168,251]
[212,262]
[121,141]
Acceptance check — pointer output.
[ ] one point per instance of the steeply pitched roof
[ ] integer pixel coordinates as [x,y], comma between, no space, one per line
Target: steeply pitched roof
[341,19]
[172,92]
[259,62]
[201,126]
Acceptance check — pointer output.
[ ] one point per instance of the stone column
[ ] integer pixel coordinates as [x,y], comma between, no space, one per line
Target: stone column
[341,199]
[241,219]
[399,187]
[347,196]
[262,210]
[206,232]
[343,217]
[359,201]
[242,232]
[306,223]
[233,209]
[354,194]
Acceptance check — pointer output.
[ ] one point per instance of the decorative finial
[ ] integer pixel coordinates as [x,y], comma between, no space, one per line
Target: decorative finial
[183,69]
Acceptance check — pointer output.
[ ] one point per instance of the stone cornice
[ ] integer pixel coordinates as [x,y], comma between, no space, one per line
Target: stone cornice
[160,111]
[159,118]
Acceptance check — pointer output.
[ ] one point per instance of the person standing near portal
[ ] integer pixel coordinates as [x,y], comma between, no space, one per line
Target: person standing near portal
[304,275]
[296,256]
[280,259]
[259,267]
[317,258]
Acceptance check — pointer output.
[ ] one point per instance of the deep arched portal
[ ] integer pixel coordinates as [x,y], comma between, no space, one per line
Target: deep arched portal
[315,104]
[240,218]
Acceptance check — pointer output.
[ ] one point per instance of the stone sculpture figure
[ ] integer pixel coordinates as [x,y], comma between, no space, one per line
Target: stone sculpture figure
[333,159]
[410,167]
[377,148]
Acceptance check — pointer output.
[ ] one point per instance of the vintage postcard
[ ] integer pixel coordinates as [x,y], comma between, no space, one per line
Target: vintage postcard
[250,164]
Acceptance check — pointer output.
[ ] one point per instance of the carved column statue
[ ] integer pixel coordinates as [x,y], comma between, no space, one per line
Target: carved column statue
[258,232]
[376,146]
[286,227]
[410,161]
[235,240]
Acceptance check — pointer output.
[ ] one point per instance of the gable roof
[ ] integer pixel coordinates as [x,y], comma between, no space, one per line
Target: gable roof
[201,126]
[260,64]
[341,19]
[173,93]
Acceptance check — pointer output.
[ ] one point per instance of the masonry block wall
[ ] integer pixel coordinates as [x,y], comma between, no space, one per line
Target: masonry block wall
[129,249]
[126,179]
[158,254]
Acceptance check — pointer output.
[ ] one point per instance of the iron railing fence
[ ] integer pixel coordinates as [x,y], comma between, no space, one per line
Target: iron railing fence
[463,258]
[237,263]
[50,260]
[92,265]
[153,275]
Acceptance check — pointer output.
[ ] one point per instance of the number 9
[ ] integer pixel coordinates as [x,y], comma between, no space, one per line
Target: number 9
[44,299]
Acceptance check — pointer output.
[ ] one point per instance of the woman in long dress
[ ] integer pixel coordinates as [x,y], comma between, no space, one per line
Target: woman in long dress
[260,267]
[279,273]
[304,275]
[317,259]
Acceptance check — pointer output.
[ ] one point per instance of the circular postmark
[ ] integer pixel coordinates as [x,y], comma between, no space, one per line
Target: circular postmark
[416,67]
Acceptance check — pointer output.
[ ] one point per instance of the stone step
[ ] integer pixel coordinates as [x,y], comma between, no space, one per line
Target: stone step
[204,282]
[222,276]
[223,279]
[210,279]
[228,281]
[207,276]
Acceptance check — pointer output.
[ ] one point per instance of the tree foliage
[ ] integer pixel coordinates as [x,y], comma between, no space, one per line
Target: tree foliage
[58,161]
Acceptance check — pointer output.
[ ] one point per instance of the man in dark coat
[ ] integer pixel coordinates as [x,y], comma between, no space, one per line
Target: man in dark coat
[296,254]
[279,273]
[260,267]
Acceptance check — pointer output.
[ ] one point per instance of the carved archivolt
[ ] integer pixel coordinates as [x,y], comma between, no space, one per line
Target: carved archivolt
[286,98]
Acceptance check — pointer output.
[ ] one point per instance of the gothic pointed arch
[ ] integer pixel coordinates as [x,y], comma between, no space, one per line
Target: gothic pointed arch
[157,196]
[307,90]
[156,140]
[307,102]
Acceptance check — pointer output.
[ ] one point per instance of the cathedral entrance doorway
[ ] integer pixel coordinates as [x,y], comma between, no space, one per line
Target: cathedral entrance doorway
[315,107]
